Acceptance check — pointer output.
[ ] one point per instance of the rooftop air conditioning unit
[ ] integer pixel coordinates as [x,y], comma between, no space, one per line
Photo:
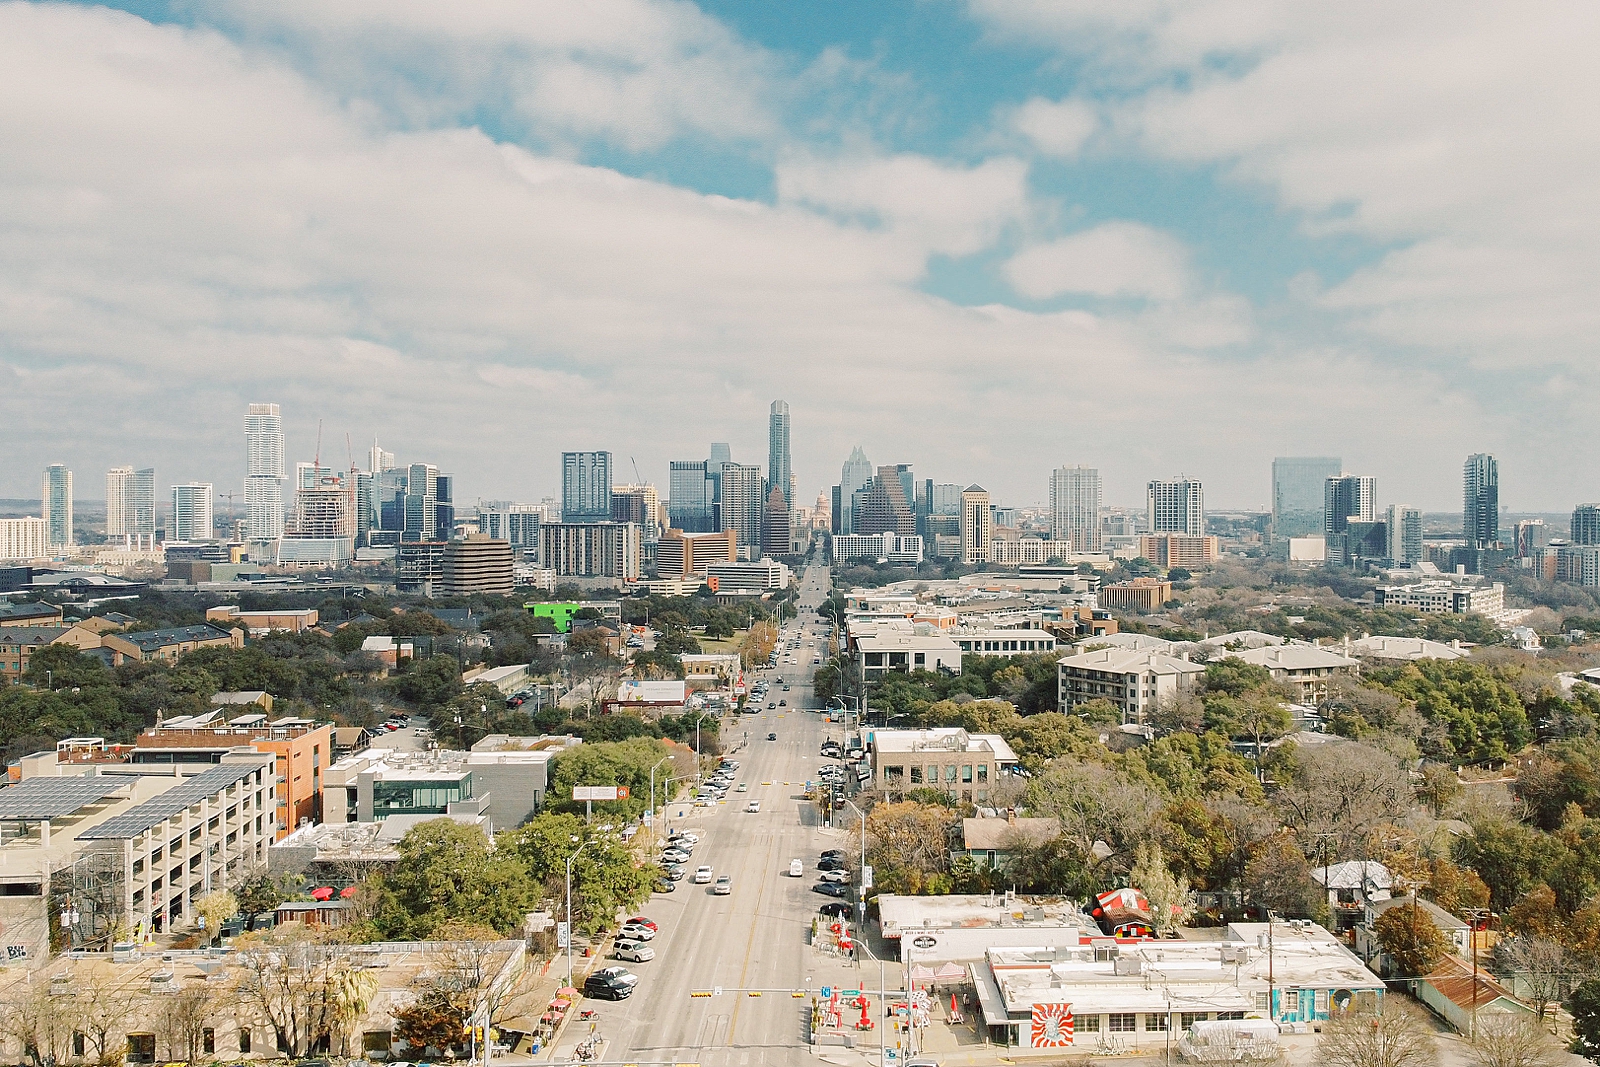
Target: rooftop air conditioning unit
[1127,965]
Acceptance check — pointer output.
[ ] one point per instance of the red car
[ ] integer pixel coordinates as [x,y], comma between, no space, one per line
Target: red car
[640,920]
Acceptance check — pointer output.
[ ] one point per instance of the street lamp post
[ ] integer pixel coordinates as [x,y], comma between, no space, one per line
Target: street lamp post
[570,858]
[861,888]
[658,763]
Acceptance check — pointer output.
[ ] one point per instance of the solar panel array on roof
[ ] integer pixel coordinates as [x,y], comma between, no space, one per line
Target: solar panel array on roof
[136,820]
[54,798]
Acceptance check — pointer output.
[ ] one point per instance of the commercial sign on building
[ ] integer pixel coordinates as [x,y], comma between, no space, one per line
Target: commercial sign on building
[600,792]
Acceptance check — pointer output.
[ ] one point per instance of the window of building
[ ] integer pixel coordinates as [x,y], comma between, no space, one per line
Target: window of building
[79,1042]
[1261,1002]
[141,1048]
[1189,1018]
[1122,1022]
[966,773]
[1230,1015]
[1156,1021]
[244,1039]
[921,659]
[1086,1024]
[950,772]
[916,775]
[1321,1002]
[893,774]
[208,1040]
[983,773]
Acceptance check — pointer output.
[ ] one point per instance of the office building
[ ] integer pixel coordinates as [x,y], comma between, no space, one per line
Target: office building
[191,512]
[1299,493]
[748,578]
[517,523]
[420,518]
[1179,550]
[780,473]
[444,508]
[419,567]
[55,502]
[1176,507]
[1529,537]
[887,546]
[683,555]
[1480,485]
[884,504]
[24,539]
[477,564]
[977,525]
[586,487]
[119,502]
[1028,550]
[140,515]
[1075,507]
[1403,525]
[1440,597]
[1348,498]
[378,460]
[741,506]
[775,524]
[1586,524]
[853,477]
[1143,595]
[592,549]
[263,481]
[691,496]
[639,504]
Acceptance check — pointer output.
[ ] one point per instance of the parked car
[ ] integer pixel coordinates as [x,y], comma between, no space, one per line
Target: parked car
[796,869]
[633,950]
[676,873]
[684,835]
[675,855]
[640,920]
[636,932]
[702,875]
[835,909]
[724,885]
[830,863]
[840,877]
[666,885]
[834,854]
[830,889]
[610,983]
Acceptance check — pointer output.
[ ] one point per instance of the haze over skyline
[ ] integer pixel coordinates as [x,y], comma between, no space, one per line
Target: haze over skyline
[985,239]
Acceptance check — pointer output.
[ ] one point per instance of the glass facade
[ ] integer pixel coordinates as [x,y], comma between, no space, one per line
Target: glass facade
[400,797]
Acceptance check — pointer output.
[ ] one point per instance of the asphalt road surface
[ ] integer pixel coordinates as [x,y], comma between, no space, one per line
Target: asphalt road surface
[754,939]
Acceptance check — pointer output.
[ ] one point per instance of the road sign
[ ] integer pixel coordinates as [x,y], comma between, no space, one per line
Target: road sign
[851,994]
[866,876]
[827,991]
[717,992]
[594,792]
[563,937]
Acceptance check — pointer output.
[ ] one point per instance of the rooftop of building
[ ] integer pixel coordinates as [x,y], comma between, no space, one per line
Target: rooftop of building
[977,911]
[150,640]
[516,743]
[1441,918]
[941,739]
[1132,642]
[1404,648]
[1008,833]
[1353,874]
[30,635]
[1295,657]
[1126,661]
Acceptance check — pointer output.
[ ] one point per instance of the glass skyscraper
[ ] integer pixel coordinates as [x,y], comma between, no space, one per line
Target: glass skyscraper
[779,472]
[1480,484]
[263,476]
[1299,486]
[586,486]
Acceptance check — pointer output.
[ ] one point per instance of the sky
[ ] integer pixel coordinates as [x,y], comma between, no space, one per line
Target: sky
[984,238]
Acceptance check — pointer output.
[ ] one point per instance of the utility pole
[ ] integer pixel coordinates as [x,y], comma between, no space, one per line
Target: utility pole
[1272,985]
[569,908]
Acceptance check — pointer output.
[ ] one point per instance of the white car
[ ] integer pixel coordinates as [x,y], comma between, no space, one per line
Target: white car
[702,875]
[753,807]
[636,932]
[634,951]
[724,885]
[686,835]
[835,876]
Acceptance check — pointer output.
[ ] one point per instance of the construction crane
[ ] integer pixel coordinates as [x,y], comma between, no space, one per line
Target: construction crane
[636,473]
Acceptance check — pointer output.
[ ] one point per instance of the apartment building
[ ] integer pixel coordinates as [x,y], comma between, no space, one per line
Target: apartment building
[1137,681]
[1180,550]
[945,758]
[1139,594]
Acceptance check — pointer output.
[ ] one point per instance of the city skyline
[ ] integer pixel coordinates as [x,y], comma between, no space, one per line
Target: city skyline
[897,223]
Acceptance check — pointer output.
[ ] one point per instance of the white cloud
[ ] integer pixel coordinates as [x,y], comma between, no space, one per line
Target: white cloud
[951,209]
[635,73]
[1114,259]
[189,224]
[1057,127]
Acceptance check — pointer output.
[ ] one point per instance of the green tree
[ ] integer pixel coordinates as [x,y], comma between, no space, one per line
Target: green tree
[1584,1004]
[605,875]
[1409,937]
[1476,708]
[448,871]
[431,681]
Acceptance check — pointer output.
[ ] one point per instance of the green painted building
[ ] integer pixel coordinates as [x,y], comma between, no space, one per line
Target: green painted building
[558,612]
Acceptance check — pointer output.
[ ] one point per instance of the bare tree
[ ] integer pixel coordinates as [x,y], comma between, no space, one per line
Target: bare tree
[1541,968]
[1396,1036]
[183,1018]
[1342,793]
[39,1022]
[101,1001]
[1505,1040]
[301,986]
[1094,803]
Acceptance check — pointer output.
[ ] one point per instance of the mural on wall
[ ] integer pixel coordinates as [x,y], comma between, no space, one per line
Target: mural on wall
[1052,1025]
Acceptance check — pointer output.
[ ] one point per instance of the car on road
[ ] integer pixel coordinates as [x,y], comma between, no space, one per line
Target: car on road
[783,703]
[743,788]
[666,886]
[610,983]
[633,950]
[724,885]
[772,737]
[753,807]
[785,687]
[676,872]
[702,875]
[796,869]
[705,802]
[771,706]
[830,889]
[840,877]
[637,932]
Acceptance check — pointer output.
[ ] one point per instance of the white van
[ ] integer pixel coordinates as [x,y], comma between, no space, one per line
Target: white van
[797,869]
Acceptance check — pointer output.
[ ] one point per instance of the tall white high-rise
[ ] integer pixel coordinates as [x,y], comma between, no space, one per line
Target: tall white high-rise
[378,460]
[119,502]
[263,482]
[1075,507]
[191,512]
[779,472]
[55,502]
[1177,507]
[1404,530]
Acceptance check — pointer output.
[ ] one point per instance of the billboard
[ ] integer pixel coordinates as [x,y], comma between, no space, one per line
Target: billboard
[600,792]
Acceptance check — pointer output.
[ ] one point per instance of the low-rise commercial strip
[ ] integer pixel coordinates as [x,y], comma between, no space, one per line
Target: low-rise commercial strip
[965,765]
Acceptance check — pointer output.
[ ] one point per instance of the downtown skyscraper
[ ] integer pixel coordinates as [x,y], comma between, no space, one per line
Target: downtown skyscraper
[131,505]
[55,503]
[780,474]
[1176,507]
[1075,507]
[1480,491]
[1299,486]
[263,480]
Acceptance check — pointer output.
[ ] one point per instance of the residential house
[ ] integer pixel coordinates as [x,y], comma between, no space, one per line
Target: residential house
[1462,995]
[1456,930]
[1351,886]
[994,842]
[1306,669]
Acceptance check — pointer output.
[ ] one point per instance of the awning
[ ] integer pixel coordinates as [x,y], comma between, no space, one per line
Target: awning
[990,1002]
[520,1025]
[348,892]
[950,972]
[322,893]
[562,1003]
[566,991]
[919,973]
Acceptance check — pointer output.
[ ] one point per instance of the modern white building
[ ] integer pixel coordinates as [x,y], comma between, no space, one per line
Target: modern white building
[1028,550]
[592,549]
[1075,507]
[947,758]
[27,538]
[1005,643]
[889,546]
[191,512]
[1176,507]
[55,503]
[1404,527]
[1136,681]
[883,649]
[756,576]
[263,481]
[1442,597]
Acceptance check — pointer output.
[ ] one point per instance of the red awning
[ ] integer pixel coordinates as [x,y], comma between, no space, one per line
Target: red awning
[322,893]
[348,892]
